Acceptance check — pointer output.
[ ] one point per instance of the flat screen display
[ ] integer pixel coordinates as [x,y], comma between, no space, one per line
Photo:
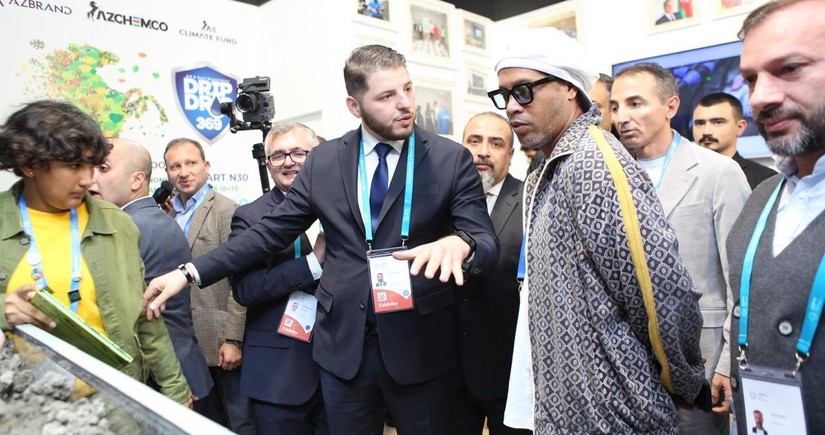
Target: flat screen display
[703,71]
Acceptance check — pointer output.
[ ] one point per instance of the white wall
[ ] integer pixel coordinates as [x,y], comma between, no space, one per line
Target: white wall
[302,46]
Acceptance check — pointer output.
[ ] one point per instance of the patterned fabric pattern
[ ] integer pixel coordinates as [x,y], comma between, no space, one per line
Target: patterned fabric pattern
[593,365]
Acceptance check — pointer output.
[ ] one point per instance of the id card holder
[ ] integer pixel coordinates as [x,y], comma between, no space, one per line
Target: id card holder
[390,281]
[299,316]
[773,401]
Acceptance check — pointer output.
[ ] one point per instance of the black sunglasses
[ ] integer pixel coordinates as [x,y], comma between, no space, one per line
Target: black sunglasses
[523,93]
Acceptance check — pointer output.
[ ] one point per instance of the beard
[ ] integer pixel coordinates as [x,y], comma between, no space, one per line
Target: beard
[386,132]
[809,139]
[488,178]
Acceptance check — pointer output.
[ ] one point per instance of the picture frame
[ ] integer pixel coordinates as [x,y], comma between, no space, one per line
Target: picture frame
[375,13]
[475,28]
[430,31]
[477,81]
[435,108]
[564,19]
[672,14]
[729,8]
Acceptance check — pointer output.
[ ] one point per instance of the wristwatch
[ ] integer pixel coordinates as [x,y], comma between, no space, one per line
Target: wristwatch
[237,343]
[190,279]
[465,266]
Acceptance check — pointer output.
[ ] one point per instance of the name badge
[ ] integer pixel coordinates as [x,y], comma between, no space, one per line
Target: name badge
[391,284]
[299,316]
[773,401]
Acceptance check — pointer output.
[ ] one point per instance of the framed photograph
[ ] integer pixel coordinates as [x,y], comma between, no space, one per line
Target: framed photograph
[477,78]
[375,13]
[671,14]
[475,31]
[378,9]
[728,8]
[564,20]
[434,107]
[429,30]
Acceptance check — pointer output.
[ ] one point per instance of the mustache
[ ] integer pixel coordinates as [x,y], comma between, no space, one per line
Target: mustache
[708,137]
[486,162]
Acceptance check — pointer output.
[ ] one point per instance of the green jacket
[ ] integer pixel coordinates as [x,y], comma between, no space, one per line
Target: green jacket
[110,246]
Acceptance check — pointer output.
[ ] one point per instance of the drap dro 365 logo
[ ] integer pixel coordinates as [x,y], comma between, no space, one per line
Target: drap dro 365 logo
[201,89]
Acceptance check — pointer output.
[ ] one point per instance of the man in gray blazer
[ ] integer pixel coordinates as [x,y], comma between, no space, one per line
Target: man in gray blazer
[205,217]
[702,193]
[123,179]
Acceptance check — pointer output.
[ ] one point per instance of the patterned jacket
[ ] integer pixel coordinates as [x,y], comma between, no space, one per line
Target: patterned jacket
[592,363]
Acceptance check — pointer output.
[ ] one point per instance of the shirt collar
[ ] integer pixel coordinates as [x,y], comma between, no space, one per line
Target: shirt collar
[788,167]
[134,201]
[178,204]
[496,189]
[370,142]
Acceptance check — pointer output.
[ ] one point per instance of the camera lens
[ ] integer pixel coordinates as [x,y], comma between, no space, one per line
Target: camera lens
[245,103]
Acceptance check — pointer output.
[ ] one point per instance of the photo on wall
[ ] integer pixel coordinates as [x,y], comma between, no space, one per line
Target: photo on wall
[475,32]
[434,108]
[430,31]
[378,9]
[727,8]
[669,14]
[477,81]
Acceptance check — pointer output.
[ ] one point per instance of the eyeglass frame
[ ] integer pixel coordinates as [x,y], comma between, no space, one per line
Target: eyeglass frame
[289,154]
[506,93]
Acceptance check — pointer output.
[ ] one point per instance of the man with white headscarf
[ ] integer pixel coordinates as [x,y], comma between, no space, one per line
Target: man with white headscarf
[583,360]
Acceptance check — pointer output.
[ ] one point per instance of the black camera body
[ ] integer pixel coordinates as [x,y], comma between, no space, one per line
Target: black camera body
[254,102]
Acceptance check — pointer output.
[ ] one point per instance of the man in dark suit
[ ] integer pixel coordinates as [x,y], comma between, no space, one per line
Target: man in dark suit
[717,121]
[278,373]
[123,179]
[404,360]
[488,305]
[668,14]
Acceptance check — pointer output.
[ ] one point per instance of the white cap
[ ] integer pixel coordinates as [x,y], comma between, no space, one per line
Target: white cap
[550,51]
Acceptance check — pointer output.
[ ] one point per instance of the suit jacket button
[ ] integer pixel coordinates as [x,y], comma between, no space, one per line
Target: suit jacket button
[3,276]
[785,328]
[24,241]
[362,305]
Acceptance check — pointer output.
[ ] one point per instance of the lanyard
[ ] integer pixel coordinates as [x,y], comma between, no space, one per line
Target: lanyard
[815,300]
[297,247]
[670,150]
[35,259]
[521,260]
[408,189]
[198,202]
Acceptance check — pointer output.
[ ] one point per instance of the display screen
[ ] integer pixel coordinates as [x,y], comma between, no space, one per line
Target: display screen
[703,71]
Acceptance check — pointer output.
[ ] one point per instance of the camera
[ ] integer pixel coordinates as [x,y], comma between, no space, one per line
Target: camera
[254,102]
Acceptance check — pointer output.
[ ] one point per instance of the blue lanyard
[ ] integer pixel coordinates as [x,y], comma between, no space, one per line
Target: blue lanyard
[522,260]
[670,150]
[35,259]
[198,202]
[408,190]
[297,247]
[815,300]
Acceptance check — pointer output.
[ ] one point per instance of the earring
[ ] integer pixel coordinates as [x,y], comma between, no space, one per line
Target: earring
[31,173]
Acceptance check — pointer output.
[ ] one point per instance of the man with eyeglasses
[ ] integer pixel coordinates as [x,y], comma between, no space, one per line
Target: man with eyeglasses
[392,198]
[278,373]
[581,312]
[205,215]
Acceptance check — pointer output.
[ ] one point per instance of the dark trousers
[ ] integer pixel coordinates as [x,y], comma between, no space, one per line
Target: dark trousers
[306,419]
[471,413]
[357,406]
[225,404]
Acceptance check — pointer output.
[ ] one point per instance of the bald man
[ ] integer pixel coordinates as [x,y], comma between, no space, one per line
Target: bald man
[123,179]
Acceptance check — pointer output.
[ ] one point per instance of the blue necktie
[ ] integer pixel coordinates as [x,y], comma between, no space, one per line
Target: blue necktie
[378,190]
